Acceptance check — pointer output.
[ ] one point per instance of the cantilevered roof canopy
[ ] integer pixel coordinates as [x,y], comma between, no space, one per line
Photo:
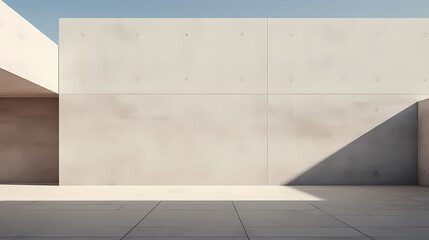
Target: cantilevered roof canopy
[28,59]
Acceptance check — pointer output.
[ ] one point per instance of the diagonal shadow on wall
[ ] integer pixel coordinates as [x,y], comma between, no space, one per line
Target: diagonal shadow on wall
[386,155]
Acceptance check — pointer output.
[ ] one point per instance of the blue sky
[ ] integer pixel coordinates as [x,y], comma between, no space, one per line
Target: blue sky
[44,14]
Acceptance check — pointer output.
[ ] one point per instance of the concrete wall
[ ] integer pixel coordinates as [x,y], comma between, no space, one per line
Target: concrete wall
[423,155]
[26,53]
[241,101]
[341,99]
[29,140]
[163,101]
[343,139]
[163,139]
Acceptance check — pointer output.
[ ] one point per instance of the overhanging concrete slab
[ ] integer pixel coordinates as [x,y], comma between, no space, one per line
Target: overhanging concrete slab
[13,86]
[26,53]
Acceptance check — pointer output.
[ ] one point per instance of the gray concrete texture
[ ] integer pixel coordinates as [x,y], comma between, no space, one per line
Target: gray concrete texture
[241,101]
[29,141]
[384,155]
[423,153]
[342,139]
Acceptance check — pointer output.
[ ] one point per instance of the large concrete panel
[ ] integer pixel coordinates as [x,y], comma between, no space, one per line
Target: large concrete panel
[343,139]
[26,52]
[423,161]
[167,139]
[28,140]
[132,56]
[342,56]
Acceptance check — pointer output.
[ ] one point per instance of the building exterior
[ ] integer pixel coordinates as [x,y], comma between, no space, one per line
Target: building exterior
[215,102]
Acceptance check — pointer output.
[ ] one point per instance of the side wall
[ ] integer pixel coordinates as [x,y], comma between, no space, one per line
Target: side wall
[241,101]
[29,140]
[423,161]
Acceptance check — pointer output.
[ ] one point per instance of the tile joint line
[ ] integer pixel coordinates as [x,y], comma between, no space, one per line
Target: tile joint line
[239,218]
[140,220]
[308,202]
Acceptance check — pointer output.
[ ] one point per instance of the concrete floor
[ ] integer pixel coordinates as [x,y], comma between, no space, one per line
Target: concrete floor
[214,212]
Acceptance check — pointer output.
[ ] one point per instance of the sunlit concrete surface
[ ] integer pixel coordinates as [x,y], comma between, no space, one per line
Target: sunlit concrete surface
[29,55]
[214,212]
[240,101]
[151,193]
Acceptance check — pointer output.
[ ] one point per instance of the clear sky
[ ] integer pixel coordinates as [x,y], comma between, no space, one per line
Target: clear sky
[44,14]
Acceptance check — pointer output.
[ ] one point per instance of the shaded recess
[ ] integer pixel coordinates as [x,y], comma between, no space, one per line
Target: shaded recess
[386,155]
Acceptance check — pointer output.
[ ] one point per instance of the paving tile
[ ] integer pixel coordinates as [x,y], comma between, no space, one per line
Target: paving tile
[136,207]
[295,221]
[303,232]
[188,232]
[396,232]
[172,223]
[297,205]
[196,205]
[410,192]
[72,232]
[400,212]
[17,202]
[371,206]
[316,238]
[227,203]
[277,214]
[391,210]
[192,214]
[347,212]
[61,206]
[67,238]
[22,219]
[386,221]
[346,193]
[402,238]
[75,202]
[372,209]
[149,203]
[179,238]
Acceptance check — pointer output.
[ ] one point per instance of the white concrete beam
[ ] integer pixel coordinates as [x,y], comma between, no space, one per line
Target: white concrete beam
[26,53]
